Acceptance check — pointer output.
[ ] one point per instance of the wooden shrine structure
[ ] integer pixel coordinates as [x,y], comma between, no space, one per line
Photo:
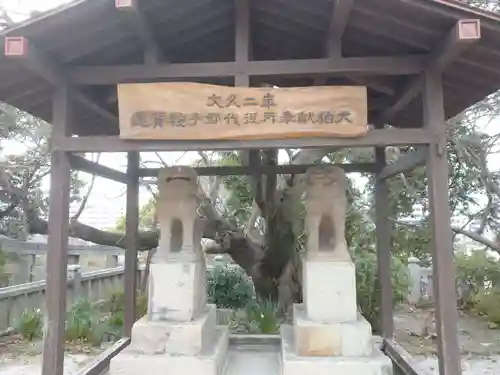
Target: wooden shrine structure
[422,61]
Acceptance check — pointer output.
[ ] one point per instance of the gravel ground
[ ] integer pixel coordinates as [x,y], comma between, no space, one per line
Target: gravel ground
[470,366]
[480,349]
[32,365]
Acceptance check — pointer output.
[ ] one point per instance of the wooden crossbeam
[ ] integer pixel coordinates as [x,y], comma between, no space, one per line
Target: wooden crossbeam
[81,164]
[132,14]
[464,33]
[39,63]
[341,9]
[262,169]
[405,163]
[108,75]
[378,137]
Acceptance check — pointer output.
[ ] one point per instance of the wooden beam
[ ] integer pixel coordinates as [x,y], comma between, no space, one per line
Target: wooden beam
[405,163]
[108,75]
[399,357]
[382,137]
[383,237]
[242,39]
[440,227]
[57,257]
[39,63]
[81,164]
[262,169]
[131,238]
[134,17]
[463,34]
[100,364]
[341,9]
[373,84]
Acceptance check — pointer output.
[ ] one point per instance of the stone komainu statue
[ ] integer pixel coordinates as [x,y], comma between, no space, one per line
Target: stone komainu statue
[326,207]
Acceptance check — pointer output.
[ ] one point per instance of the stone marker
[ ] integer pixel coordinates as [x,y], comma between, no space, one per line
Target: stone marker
[329,335]
[179,333]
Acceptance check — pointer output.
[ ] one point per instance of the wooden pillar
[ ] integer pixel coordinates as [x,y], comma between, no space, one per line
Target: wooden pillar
[131,238]
[57,257]
[383,233]
[440,224]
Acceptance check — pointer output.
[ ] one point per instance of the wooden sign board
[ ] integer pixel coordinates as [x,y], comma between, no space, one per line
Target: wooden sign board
[193,111]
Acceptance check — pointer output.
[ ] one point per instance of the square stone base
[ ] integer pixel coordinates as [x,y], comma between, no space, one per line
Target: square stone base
[159,337]
[177,290]
[320,339]
[293,364]
[330,290]
[210,362]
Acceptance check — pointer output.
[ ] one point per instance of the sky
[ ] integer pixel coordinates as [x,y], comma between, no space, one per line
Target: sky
[19,9]
[107,201]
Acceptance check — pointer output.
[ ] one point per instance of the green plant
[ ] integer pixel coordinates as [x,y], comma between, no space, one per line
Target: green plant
[240,323]
[487,303]
[229,287]
[141,305]
[265,314]
[30,324]
[115,305]
[474,271]
[368,288]
[83,323]
[116,301]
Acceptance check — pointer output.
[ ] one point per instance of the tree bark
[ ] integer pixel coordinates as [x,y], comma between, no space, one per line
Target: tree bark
[273,266]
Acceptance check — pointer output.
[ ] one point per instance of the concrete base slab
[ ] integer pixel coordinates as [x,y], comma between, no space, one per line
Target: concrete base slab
[322,339]
[210,362]
[188,338]
[293,364]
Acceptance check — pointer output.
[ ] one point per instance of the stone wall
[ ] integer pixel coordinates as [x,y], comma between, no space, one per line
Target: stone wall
[95,286]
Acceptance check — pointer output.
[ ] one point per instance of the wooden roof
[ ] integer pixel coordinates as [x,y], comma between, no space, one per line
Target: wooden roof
[92,32]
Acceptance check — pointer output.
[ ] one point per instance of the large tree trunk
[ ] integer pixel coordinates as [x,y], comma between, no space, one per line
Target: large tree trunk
[274,265]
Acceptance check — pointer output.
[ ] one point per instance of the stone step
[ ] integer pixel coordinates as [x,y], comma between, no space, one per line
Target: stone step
[253,359]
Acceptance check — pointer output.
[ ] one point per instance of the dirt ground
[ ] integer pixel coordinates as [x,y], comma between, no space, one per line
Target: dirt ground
[480,348]
[476,338]
[18,357]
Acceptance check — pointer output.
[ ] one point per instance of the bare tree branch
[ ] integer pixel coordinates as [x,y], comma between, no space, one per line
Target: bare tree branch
[85,199]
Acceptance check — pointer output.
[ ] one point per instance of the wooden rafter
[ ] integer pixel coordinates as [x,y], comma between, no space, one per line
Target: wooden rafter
[133,15]
[395,65]
[341,10]
[463,34]
[242,39]
[340,17]
[39,63]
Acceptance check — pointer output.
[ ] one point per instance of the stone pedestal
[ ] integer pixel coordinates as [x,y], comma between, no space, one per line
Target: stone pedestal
[179,333]
[177,290]
[329,335]
[330,290]
[295,364]
[348,339]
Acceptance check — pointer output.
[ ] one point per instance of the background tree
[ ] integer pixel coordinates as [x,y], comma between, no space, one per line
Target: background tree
[259,223]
